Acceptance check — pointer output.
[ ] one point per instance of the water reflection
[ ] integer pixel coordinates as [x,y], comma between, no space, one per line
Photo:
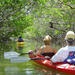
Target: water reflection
[26,68]
[11,69]
[46,71]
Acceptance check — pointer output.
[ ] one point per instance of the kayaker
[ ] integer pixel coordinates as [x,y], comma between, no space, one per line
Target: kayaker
[46,49]
[20,43]
[66,54]
[20,39]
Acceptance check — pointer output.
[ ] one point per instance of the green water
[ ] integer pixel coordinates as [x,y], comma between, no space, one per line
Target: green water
[26,68]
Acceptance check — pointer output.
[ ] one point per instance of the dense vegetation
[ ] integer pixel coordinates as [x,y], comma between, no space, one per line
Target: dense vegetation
[36,18]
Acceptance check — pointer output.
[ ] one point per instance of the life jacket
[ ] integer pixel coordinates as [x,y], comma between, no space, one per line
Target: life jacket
[71,58]
[50,54]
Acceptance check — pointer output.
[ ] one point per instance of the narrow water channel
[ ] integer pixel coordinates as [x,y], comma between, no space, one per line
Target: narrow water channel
[26,68]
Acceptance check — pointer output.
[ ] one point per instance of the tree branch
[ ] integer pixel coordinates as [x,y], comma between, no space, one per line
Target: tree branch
[60,29]
[70,6]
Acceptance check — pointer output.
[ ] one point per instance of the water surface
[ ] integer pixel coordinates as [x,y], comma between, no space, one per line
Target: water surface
[26,68]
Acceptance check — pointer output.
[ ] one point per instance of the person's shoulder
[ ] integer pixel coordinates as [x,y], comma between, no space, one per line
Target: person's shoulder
[42,47]
[63,48]
[74,46]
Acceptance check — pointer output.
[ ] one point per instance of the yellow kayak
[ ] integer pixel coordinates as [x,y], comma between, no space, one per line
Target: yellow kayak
[20,44]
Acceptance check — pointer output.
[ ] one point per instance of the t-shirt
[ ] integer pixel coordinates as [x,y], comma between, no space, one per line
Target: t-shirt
[62,54]
[71,58]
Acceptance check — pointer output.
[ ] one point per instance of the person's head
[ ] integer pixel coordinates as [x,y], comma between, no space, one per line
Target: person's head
[20,37]
[47,40]
[70,37]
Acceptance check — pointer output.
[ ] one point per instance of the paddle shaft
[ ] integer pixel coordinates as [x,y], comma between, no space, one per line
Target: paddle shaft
[23,53]
[38,58]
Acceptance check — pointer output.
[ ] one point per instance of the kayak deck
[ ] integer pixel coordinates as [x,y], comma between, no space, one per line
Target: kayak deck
[66,68]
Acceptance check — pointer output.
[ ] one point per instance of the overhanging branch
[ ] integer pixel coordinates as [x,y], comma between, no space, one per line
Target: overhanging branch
[59,29]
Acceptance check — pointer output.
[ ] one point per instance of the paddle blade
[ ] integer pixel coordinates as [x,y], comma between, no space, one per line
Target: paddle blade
[19,59]
[9,55]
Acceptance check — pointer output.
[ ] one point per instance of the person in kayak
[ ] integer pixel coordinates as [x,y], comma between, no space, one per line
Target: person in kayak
[20,46]
[20,39]
[66,54]
[46,49]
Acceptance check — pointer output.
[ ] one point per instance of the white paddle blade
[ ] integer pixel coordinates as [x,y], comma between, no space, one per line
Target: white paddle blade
[19,59]
[9,55]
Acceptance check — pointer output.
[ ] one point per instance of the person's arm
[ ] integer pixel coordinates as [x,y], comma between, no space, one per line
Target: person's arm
[38,52]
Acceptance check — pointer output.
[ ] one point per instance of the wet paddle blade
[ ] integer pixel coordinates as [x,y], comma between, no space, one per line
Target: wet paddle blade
[19,59]
[9,55]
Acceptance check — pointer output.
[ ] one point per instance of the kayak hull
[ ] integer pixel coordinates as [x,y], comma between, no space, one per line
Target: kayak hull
[66,68]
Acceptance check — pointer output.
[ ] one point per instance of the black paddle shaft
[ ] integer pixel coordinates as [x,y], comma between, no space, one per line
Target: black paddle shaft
[38,58]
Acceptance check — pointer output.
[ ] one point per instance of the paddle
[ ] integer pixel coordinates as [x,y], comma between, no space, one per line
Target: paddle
[24,53]
[23,59]
[10,54]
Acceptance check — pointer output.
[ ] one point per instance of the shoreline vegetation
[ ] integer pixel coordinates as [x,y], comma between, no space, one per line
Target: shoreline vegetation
[34,19]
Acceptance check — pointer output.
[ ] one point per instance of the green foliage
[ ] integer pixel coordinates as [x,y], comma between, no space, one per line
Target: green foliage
[34,16]
[14,17]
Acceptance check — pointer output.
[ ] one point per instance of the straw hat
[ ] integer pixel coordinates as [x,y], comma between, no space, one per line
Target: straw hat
[70,34]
